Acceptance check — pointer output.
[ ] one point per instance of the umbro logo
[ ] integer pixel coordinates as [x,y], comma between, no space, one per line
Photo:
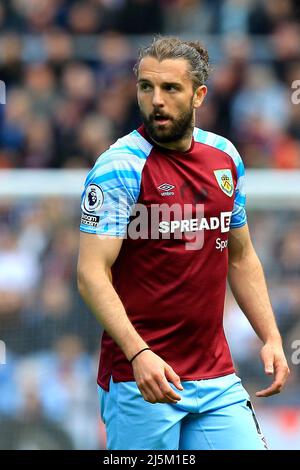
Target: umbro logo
[166,188]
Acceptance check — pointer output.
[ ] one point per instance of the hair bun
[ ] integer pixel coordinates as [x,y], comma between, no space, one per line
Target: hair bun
[200,49]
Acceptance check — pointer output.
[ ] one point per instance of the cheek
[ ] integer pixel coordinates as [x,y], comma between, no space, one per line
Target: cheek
[142,102]
[183,105]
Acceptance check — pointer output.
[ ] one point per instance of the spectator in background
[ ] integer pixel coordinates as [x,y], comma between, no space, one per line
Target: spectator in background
[13,131]
[36,16]
[114,59]
[259,110]
[139,17]
[59,381]
[233,17]
[42,92]
[85,18]
[30,429]
[266,15]
[19,273]
[288,252]
[11,64]
[10,396]
[194,16]
[19,270]
[40,83]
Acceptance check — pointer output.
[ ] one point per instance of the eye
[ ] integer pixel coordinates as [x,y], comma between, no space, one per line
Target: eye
[170,88]
[145,86]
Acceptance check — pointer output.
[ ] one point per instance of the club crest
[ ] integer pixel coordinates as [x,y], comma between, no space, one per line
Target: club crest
[225,181]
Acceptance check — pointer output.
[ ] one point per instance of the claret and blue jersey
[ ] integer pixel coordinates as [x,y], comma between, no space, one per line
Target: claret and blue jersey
[173,290]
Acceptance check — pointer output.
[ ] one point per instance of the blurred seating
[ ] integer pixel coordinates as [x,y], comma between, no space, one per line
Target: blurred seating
[71,92]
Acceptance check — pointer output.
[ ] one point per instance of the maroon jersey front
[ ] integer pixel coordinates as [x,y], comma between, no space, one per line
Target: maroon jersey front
[172,278]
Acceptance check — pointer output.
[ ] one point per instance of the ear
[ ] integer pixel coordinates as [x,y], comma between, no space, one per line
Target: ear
[199,95]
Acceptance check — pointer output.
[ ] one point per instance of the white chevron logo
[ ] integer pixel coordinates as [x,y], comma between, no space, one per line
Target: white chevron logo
[165,187]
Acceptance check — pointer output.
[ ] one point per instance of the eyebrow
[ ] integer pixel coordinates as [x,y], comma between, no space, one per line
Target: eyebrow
[145,80]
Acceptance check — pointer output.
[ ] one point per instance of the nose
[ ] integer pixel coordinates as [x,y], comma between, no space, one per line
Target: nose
[157,98]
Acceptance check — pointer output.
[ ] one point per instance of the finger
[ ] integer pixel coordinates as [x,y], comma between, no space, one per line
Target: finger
[153,393]
[268,361]
[168,391]
[147,394]
[173,377]
[272,390]
[281,375]
[160,396]
[169,398]
[156,391]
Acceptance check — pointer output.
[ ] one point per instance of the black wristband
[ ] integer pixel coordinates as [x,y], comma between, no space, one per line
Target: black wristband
[145,349]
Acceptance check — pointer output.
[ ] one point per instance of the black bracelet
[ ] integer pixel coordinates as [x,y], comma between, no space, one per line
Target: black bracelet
[145,349]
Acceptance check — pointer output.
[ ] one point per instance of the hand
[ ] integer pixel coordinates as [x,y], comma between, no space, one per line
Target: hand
[152,374]
[274,361]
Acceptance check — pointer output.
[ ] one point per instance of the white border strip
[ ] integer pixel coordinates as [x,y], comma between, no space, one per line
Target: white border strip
[264,188]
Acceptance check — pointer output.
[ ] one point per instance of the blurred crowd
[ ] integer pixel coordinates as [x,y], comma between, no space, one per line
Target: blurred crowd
[49,381]
[48,393]
[67,67]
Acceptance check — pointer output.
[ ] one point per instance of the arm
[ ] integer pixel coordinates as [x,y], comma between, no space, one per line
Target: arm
[96,256]
[247,282]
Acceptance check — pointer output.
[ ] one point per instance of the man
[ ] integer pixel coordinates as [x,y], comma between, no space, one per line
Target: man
[156,280]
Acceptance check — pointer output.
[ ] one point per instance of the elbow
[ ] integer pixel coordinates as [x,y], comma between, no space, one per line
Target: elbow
[89,280]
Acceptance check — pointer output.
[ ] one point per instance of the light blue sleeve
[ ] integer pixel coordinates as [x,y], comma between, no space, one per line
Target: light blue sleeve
[111,189]
[239,216]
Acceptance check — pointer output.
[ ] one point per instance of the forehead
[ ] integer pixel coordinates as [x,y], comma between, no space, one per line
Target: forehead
[167,70]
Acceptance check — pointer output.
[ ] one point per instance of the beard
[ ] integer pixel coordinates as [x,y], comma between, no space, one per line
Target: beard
[174,131]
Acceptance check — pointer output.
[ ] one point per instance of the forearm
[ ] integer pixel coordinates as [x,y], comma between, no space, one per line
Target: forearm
[248,285]
[99,294]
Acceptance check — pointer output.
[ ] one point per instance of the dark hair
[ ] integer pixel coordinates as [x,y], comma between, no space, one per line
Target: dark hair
[174,48]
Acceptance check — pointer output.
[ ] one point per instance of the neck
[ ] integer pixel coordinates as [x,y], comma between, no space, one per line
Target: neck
[181,145]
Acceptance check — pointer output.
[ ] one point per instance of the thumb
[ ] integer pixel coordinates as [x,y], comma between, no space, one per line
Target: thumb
[268,361]
[173,377]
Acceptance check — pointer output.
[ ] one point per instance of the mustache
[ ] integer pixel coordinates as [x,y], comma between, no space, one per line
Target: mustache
[156,114]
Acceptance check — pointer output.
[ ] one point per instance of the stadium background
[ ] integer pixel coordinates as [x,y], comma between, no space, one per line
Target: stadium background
[70,92]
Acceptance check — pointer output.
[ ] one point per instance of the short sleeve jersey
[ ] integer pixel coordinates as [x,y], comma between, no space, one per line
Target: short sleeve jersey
[174,211]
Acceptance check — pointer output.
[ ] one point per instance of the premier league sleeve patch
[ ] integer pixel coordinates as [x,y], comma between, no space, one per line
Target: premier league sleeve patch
[93,199]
